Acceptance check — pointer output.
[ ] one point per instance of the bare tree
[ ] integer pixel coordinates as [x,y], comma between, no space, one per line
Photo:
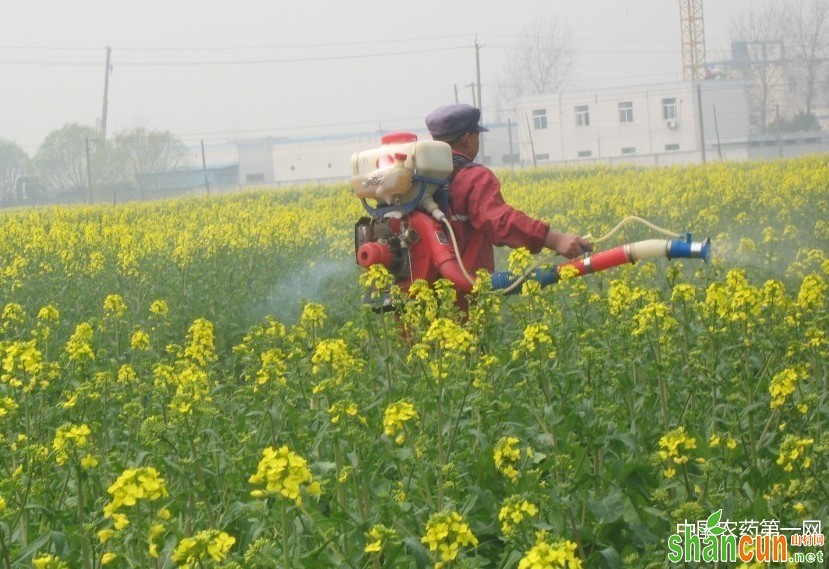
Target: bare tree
[758,57]
[61,159]
[141,151]
[806,28]
[542,62]
[13,165]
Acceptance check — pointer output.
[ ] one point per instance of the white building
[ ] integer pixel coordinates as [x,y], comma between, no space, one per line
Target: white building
[281,161]
[647,125]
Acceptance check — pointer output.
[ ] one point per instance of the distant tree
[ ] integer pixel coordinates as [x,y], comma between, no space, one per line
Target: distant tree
[141,151]
[542,61]
[61,159]
[13,165]
[800,122]
[806,29]
[759,33]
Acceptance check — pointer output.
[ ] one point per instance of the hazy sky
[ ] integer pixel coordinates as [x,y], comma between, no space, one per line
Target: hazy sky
[228,70]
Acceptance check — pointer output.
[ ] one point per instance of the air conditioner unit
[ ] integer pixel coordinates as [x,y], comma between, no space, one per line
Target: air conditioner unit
[671,123]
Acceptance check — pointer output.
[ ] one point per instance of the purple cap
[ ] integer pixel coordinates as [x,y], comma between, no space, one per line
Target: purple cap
[449,122]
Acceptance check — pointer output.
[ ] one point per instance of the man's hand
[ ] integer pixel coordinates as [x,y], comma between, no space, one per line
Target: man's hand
[567,244]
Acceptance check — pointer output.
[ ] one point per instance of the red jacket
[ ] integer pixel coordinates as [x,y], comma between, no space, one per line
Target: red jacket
[477,206]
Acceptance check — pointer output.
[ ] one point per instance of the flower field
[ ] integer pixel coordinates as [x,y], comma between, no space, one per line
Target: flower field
[195,383]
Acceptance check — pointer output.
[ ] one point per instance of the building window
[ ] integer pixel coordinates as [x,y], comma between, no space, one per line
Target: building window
[511,158]
[582,115]
[629,150]
[544,156]
[669,109]
[626,111]
[255,178]
[671,147]
[540,119]
[585,153]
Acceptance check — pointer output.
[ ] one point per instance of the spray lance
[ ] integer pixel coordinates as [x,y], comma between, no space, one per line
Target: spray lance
[408,232]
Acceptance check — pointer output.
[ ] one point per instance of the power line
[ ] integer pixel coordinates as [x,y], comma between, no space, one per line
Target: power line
[396,41]
[234,62]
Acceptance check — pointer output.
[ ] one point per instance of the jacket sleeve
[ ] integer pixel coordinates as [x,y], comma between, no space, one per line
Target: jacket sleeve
[500,223]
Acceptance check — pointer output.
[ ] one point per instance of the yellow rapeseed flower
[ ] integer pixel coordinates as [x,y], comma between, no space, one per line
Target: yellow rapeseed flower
[207,544]
[132,486]
[507,455]
[79,347]
[545,555]
[793,448]
[140,341]
[114,306]
[446,533]
[536,335]
[515,510]
[782,385]
[69,439]
[49,562]
[380,536]
[159,308]
[201,347]
[670,450]
[396,416]
[283,473]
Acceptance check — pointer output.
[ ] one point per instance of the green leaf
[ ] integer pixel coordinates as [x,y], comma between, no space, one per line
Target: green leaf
[30,549]
[610,508]
[611,558]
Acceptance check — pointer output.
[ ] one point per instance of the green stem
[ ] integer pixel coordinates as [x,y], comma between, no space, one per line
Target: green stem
[285,550]
[4,551]
[458,419]
[87,563]
[440,445]
[389,369]
[200,476]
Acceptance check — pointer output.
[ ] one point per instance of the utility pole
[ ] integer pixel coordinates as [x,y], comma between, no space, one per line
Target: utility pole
[474,95]
[107,71]
[511,155]
[717,131]
[777,125]
[204,168]
[532,145]
[456,94]
[478,79]
[701,127]
[88,172]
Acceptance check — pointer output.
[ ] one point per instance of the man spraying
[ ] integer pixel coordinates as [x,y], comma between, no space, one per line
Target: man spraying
[479,215]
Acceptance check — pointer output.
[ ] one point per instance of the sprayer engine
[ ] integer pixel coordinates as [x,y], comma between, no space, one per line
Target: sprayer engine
[409,234]
[403,232]
[376,241]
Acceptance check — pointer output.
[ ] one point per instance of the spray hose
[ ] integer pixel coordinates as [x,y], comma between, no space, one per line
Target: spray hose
[627,220]
[677,248]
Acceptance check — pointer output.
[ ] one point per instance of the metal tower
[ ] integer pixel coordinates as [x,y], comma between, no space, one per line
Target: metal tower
[693,39]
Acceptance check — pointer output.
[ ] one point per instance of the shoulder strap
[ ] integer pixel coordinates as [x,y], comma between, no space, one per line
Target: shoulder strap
[460,162]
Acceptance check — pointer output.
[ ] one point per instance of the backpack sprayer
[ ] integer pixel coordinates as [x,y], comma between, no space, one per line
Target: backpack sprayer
[408,231]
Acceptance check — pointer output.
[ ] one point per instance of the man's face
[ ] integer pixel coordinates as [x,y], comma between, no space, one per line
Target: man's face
[473,142]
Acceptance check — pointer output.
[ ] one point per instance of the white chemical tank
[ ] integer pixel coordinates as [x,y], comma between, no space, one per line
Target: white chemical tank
[375,171]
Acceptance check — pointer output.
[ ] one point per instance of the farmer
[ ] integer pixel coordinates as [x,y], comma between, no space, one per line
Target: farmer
[478,213]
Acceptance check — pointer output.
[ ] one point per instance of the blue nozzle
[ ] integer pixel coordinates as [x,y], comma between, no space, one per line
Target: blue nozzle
[687,249]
